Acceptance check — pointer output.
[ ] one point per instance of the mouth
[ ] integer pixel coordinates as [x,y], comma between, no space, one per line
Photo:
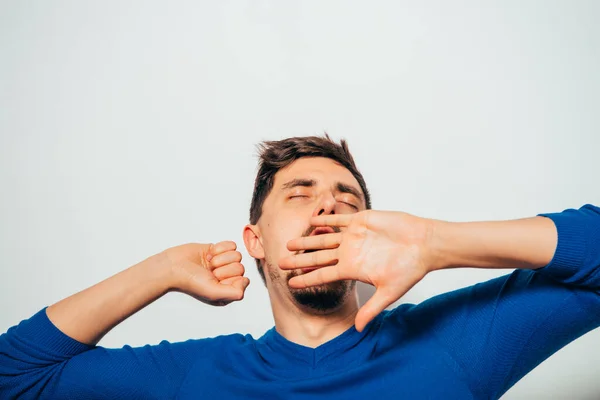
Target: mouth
[322,230]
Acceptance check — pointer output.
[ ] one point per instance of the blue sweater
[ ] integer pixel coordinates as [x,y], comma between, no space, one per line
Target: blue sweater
[471,343]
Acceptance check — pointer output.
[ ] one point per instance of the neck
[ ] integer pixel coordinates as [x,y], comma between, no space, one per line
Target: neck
[308,327]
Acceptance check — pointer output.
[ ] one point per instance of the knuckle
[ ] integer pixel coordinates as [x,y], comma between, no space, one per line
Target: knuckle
[322,241]
[319,274]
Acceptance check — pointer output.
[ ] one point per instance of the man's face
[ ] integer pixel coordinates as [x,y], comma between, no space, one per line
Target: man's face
[308,187]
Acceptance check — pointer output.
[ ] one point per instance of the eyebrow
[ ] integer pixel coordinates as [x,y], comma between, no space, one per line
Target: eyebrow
[299,182]
[343,188]
[339,186]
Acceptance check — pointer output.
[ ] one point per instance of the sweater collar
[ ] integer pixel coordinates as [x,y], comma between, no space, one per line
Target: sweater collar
[284,349]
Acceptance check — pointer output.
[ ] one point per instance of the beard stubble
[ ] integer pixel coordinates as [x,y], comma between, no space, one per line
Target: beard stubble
[320,298]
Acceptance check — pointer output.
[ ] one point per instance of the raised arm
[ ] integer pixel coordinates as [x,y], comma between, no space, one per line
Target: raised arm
[394,250]
[529,243]
[54,353]
[88,315]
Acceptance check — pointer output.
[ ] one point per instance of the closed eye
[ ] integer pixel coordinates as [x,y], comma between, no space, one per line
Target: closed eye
[301,196]
[351,205]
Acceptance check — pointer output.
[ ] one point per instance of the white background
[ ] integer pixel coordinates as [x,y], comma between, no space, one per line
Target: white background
[129,127]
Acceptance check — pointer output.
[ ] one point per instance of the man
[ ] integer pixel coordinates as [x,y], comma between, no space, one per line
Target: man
[313,236]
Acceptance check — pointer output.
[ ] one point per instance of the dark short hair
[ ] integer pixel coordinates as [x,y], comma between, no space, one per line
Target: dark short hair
[277,154]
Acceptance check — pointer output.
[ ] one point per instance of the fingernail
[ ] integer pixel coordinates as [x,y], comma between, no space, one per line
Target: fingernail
[209,257]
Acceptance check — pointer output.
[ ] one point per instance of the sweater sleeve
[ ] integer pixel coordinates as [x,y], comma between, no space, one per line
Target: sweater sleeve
[498,331]
[576,260]
[38,361]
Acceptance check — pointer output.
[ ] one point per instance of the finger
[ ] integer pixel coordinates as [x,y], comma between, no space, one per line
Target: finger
[332,220]
[376,304]
[319,276]
[222,259]
[324,241]
[220,247]
[230,281]
[229,271]
[305,260]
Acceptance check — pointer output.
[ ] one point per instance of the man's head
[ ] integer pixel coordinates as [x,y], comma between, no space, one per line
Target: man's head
[298,178]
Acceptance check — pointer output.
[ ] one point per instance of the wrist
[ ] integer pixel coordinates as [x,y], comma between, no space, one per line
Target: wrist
[159,273]
[440,251]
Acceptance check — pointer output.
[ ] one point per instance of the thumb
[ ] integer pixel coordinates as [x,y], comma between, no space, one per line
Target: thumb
[231,289]
[376,304]
[241,284]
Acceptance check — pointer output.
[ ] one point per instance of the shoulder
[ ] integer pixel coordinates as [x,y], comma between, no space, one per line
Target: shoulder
[185,349]
[479,301]
[449,307]
[231,339]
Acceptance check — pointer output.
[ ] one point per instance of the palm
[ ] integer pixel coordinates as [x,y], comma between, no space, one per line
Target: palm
[378,249]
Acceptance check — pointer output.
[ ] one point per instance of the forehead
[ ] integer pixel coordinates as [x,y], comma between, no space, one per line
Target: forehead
[324,170]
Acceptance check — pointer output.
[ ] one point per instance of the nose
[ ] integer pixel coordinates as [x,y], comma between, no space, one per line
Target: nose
[326,206]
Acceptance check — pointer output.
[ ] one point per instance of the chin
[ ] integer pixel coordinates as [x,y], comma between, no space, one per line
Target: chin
[323,298]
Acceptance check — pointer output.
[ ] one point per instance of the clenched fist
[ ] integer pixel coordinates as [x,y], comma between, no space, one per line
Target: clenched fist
[211,273]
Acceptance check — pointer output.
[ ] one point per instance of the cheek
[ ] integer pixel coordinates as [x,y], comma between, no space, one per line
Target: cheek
[278,237]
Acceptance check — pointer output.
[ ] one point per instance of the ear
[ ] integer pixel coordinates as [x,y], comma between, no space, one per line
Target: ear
[252,241]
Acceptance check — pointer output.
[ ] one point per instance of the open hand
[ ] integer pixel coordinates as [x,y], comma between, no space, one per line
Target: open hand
[387,249]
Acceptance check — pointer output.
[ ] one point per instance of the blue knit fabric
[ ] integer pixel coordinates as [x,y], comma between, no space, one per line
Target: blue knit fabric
[471,343]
